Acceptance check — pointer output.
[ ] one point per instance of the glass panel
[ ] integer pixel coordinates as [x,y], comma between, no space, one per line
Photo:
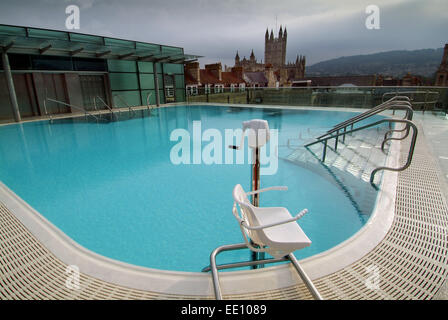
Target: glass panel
[121,66]
[179,79]
[51,63]
[162,96]
[19,61]
[16,31]
[89,64]
[146,67]
[132,98]
[86,38]
[123,81]
[48,34]
[92,86]
[159,67]
[147,81]
[152,97]
[172,50]
[148,46]
[173,68]
[119,42]
[180,95]
[160,79]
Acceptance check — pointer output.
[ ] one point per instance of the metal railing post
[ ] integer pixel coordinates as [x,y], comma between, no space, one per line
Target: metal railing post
[325,151]
[336,141]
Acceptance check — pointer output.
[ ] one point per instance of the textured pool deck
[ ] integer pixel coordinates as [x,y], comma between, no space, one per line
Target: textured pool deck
[411,262]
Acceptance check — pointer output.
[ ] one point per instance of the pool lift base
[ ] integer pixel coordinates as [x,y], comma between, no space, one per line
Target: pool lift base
[213,267]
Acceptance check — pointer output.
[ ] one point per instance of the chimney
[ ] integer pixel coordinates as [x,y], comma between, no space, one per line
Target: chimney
[238,72]
[193,69]
[215,69]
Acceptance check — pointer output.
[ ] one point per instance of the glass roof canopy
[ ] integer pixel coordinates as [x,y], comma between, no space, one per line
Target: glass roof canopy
[28,40]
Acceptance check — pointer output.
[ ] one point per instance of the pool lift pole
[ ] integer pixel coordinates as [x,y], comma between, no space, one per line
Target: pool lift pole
[258,136]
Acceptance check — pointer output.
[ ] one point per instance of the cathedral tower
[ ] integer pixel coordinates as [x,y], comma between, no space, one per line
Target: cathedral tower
[275,48]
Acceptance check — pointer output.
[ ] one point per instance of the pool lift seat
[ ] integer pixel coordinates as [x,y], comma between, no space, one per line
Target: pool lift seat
[265,229]
[271,229]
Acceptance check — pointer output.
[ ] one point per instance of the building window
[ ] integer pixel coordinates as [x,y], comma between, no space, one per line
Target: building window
[219,88]
[192,90]
[169,90]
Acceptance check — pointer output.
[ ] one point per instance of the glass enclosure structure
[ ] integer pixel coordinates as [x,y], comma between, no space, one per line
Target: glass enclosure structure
[78,69]
[422,98]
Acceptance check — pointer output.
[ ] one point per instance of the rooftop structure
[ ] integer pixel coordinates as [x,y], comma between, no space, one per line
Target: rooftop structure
[74,68]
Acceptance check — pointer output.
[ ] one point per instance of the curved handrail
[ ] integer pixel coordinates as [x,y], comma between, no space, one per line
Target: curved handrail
[147,100]
[74,107]
[105,104]
[426,92]
[410,153]
[409,115]
[424,103]
[411,149]
[124,101]
[389,104]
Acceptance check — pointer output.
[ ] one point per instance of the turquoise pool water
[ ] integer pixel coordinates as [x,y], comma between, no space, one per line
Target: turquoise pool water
[113,189]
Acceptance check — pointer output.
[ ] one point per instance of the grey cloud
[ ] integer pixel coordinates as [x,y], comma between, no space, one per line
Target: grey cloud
[216,29]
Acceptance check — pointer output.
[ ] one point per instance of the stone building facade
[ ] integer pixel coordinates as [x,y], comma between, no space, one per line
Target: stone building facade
[275,60]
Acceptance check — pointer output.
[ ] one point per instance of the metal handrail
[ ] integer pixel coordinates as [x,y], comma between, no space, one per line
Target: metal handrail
[426,92]
[74,107]
[46,112]
[372,175]
[124,101]
[147,100]
[105,104]
[423,103]
[389,104]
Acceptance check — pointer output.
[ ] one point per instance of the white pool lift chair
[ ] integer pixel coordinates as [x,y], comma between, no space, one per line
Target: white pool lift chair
[271,229]
[265,229]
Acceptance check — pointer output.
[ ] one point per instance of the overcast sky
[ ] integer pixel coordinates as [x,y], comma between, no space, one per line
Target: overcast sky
[319,29]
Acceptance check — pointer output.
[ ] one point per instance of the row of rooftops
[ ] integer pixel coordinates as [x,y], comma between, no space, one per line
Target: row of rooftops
[213,75]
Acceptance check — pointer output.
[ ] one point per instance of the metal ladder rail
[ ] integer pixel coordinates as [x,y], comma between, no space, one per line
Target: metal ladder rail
[425,92]
[394,106]
[409,115]
[46,112]
[124,101]
[372,175]
[147,100]
[74,107]
[215,274]
[378,109]
[105,104]
[425,103]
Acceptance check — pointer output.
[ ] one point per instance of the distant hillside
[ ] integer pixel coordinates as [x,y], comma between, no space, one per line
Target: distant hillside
[397,63]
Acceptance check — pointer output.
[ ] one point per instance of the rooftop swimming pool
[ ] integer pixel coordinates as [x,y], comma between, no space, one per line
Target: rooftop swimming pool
[113,188]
